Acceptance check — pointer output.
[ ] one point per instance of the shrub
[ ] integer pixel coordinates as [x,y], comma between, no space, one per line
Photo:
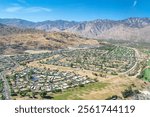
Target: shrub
[81,85]
[128,92]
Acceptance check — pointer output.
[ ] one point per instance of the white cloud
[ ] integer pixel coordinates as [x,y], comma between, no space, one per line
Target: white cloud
[37,9]
[15,9]
[134,3]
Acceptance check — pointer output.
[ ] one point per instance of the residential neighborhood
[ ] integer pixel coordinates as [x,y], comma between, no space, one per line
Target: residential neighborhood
[33,80]
[48,75]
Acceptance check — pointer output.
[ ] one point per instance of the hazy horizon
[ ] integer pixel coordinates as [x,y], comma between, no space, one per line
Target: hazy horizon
[69,20]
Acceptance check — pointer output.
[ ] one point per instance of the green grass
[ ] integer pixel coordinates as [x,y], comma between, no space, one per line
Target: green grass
[147,74]
[1,85]
[75,93]
[0,96]
[147,52]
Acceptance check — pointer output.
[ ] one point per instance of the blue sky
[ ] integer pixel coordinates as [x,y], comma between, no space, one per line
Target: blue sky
[78,10]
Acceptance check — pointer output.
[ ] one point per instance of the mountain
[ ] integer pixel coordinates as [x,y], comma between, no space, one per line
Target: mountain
[45,25]
[135,28]
[92,28]
[136,22]
[5,30]
[58,25]
[110,29]
[123,32]
[17,23]
[9,30]
[17,38]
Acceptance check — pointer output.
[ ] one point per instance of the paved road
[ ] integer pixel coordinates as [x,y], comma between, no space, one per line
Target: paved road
[6,89]
[137,56]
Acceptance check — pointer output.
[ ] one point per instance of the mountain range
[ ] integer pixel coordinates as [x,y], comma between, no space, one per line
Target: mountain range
[135,29]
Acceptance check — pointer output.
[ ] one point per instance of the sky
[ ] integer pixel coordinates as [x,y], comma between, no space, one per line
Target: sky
[73,10]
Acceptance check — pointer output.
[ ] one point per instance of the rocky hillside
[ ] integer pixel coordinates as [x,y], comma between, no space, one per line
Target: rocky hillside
[18,43]
[133,28]
[9,30]
[136,22]
[122,32]
[17,23]
[92,28]
[58,25]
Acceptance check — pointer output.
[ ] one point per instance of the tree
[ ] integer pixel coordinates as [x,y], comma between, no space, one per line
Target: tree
[33,94]
[128,92]
[22,93]
[3,97]
[43,94]
[71,65]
